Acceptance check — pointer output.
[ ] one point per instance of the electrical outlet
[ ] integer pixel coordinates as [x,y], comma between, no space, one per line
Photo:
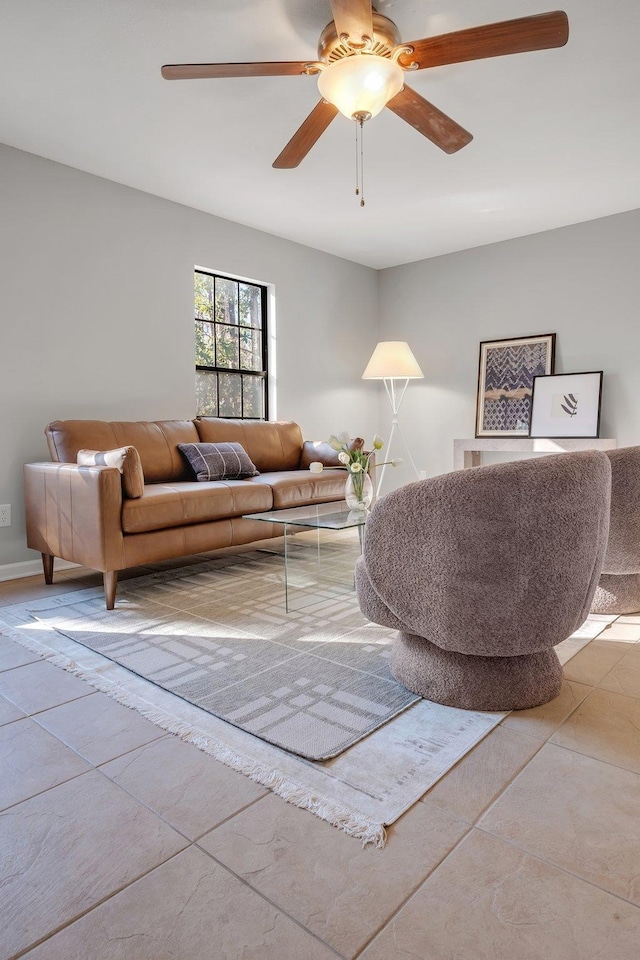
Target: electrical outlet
[5,514]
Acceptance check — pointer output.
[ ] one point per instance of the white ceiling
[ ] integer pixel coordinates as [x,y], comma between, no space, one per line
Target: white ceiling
[557,133]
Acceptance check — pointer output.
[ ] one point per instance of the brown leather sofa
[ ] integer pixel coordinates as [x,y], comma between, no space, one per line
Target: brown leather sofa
[81,514]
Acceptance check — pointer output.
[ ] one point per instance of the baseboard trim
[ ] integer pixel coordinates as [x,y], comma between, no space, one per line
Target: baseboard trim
[29,568]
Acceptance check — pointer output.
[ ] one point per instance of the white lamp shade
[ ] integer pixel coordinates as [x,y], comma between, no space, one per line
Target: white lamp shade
[361,84]
[392,359]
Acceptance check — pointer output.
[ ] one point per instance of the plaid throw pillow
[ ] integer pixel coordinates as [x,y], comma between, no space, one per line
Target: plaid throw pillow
[218,461]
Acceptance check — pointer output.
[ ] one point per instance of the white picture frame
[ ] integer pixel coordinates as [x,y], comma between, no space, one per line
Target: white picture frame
[566,405]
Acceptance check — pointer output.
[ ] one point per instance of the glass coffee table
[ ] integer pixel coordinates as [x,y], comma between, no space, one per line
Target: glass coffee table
[318,516]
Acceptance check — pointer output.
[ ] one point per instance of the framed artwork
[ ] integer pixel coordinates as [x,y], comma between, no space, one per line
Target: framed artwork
[505,383]
[566,405]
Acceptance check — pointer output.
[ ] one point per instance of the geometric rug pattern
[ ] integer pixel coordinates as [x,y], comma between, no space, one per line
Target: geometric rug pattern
[310,681]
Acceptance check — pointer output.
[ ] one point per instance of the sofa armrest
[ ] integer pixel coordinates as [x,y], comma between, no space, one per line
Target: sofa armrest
[318,451]
[321,452]
[75,513]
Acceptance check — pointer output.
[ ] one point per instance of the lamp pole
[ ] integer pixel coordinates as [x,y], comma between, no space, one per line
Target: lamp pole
[396,395]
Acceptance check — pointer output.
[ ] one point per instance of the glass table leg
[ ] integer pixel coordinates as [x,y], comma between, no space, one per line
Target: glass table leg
[286,572]
[291,561]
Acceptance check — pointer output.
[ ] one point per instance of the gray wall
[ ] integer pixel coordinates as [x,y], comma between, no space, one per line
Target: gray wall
[582,282]
[96,314]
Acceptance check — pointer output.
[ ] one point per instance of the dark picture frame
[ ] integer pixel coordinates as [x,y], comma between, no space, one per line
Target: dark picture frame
[567,405]
[506,372]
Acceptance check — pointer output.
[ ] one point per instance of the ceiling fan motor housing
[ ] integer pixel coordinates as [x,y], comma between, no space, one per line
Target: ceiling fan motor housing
[386,36]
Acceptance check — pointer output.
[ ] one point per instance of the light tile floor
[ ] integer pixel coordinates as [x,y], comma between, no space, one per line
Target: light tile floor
[120,842]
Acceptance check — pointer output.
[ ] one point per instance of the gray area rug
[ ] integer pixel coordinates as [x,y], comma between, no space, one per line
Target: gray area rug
[313,681]
[362,790]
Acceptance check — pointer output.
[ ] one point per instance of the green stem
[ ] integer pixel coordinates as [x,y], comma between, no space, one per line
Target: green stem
[358,484]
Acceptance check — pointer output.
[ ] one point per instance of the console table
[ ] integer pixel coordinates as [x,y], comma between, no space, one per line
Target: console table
[468,453]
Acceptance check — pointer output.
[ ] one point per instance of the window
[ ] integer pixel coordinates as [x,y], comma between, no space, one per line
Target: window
[231,347]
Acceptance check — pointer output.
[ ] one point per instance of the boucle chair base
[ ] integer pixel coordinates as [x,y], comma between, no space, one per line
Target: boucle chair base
[617,593]
[475,683]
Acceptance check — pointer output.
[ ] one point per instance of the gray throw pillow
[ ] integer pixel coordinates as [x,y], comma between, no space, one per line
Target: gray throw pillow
[218,461]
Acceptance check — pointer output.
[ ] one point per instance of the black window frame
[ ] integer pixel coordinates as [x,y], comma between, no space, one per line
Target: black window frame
[239,371]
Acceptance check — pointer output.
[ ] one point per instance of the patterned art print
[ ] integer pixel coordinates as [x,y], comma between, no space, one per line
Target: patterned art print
[505,383]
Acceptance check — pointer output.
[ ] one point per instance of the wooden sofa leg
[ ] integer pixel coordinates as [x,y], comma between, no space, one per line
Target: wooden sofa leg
[110,578]
[47,566]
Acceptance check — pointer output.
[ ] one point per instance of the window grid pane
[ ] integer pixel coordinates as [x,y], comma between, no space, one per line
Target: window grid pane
[205,344]
[250,349]
[227,347]
[252,396]
[206,393]
[204,296]
[230,395]
[226,300]
[250,302]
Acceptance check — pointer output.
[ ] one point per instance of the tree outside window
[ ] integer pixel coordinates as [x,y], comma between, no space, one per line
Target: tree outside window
[230,347]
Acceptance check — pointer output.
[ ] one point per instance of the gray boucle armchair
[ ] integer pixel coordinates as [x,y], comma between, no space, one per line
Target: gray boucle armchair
[483,572]
[619,587]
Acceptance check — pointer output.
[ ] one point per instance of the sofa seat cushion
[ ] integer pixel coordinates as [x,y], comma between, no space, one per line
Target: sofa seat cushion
[178,504]
[295,488]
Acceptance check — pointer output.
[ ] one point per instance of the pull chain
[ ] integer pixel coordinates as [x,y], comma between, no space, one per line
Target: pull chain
[360,160]
[357,163]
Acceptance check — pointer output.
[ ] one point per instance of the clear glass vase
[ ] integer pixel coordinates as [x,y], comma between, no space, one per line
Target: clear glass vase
[358,491]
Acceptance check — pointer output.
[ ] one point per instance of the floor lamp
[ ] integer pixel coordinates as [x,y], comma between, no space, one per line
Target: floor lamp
[393,362]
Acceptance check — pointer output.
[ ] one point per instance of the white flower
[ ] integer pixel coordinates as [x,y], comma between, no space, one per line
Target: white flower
[356,467]
[378,442]
[344,437]
[397,461]
[335,443]
[343,457]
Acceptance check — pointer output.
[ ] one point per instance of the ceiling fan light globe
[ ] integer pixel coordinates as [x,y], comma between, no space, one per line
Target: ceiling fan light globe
[361,84]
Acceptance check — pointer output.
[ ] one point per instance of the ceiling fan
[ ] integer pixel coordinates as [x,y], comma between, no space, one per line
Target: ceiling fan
[361,66]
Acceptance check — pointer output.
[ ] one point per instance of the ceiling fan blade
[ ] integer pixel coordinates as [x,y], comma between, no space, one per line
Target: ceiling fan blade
[539,32]
[209,71]
[429,121]
[353,17]
[306,135]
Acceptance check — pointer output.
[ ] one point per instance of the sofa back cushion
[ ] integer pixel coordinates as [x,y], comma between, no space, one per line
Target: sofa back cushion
[156,442]
[271,446]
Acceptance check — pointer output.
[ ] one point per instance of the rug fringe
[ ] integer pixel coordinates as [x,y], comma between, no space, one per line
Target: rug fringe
[354,825]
